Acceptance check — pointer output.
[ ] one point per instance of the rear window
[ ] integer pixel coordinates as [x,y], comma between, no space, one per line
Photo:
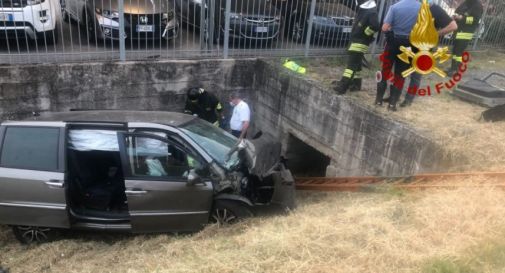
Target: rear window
[30,148]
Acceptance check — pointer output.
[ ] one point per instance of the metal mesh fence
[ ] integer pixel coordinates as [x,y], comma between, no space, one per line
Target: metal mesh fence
[41,31]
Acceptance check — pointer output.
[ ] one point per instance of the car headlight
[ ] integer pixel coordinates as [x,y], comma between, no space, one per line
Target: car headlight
[107,13]
[168,16]
[34,2]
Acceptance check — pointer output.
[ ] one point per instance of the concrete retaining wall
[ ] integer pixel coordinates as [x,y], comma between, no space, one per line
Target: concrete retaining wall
[135,86]
[358,140]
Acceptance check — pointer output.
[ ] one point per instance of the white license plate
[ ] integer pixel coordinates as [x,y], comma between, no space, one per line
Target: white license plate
[347,30]
[6,17]
[261,29]
[145,28]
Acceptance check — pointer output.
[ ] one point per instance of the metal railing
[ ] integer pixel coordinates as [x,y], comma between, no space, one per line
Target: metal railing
[54,31]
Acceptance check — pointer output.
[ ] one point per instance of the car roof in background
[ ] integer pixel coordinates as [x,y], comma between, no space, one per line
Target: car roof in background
[160,117]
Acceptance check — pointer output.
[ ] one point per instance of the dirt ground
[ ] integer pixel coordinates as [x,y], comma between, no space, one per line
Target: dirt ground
[455,124]
[385,230]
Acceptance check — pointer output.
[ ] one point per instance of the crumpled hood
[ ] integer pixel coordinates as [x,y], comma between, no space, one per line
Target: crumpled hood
[259,155]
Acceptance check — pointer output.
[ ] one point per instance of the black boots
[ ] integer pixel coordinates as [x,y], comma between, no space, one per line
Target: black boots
[342,86]
[453,69]
[355,85]
[381,90]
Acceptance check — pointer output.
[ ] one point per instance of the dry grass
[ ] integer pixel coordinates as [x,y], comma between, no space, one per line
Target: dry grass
[477,145]
[334,232]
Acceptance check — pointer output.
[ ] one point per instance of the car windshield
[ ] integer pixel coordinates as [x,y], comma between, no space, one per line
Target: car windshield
[215,141]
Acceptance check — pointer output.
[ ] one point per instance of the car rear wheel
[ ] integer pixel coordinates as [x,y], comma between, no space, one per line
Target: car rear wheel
[31,235]
[227,212]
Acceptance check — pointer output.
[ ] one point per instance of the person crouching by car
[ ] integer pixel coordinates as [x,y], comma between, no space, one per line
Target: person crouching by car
[204,105]
[365,26]
[241,116]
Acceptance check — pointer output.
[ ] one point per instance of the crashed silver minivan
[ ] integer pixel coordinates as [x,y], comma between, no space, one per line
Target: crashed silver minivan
[134,171]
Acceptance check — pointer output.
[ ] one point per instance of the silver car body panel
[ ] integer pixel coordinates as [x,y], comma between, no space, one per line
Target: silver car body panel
[27,198]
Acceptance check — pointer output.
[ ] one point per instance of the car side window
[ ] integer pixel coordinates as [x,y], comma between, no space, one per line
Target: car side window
[152,157]
[32,148]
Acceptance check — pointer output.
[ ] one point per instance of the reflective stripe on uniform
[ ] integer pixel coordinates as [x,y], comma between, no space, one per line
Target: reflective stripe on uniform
[219,106]
[464,36]
[357,75]
[216,123]
[457,58]
[369,31]
[358,47]
[469,20]
[348,73]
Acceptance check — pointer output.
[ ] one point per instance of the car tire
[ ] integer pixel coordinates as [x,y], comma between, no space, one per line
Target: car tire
[226,212]
[65,16]
[298,31]
[49,37]
[89,28]
[33,235]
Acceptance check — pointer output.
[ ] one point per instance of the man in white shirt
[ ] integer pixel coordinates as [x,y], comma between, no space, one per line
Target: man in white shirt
[241,116]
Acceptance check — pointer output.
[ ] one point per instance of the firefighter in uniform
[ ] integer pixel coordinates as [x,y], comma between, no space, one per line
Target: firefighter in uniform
[204,105]
[365,26]
[467,16]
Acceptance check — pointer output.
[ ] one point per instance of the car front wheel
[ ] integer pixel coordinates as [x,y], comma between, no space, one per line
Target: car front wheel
[227,212]
[30,235]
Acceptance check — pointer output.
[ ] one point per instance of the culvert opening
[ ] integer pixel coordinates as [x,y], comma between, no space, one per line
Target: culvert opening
[305,161]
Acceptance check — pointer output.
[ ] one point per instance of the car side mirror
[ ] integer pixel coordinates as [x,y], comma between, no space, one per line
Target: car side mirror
[193,178]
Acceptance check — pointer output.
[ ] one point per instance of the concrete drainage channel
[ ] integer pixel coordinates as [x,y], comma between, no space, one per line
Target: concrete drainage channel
[321,134]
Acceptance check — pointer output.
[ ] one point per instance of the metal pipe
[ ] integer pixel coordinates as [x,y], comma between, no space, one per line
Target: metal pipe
[309,30]
[122,53]
[226,28]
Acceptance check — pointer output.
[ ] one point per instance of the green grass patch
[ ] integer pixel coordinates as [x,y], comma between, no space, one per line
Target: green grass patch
[488,256]
[446,265]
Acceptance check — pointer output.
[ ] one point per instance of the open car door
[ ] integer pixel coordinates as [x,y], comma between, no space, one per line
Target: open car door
[159,196]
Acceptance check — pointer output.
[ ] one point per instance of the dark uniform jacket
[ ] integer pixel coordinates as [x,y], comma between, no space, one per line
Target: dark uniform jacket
[206,107]
[365,25]
[471,10]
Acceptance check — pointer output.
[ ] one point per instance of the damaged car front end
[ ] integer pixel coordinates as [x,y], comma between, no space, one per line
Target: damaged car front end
[248,171]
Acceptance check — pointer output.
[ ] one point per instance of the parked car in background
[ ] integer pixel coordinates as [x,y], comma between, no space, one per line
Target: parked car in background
[30,19]
[143,19]
[252,20]
[131,171]
[333,20]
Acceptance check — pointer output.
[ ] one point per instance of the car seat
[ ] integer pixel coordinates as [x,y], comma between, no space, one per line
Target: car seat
[93,191]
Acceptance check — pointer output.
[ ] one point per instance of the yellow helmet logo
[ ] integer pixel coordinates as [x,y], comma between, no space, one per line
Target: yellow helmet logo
[424,36]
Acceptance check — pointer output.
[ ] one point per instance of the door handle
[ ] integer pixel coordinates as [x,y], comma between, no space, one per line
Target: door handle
[54,183]
[135,191]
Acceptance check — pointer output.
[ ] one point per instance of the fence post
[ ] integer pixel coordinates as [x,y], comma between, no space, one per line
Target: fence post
[377,40]
[309,30]
[204,30]
[211,17]
[226,28]
[480,27]
[122,53]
